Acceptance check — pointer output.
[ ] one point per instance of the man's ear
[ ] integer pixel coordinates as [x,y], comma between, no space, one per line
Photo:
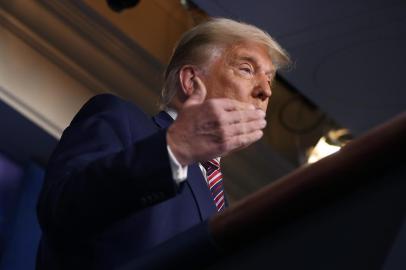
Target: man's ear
[187,76]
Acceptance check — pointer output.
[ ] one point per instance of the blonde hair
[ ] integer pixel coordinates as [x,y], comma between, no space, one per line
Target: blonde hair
[196,45]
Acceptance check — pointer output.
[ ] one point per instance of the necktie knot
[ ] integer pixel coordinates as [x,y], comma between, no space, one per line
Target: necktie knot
[210,166]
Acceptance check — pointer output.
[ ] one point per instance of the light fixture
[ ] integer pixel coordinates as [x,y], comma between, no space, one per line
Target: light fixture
[329,144]
[120,5]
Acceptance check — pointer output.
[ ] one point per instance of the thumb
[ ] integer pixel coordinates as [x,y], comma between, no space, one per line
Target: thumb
[199,93]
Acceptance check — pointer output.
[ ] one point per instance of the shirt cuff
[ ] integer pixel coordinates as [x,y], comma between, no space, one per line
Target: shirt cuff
[179,172]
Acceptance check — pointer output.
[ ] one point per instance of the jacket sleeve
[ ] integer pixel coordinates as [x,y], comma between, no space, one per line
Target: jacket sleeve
[101,172]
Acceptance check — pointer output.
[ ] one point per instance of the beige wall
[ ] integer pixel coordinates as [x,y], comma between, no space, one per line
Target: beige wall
[54,55]
[36,87]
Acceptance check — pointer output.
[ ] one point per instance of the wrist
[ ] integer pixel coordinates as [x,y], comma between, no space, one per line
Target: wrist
[177,149]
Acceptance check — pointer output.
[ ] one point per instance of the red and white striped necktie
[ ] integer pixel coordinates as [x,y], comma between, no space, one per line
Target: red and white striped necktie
[215,182]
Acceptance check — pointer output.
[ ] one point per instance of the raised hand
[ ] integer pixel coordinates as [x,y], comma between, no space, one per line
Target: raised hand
[205,129]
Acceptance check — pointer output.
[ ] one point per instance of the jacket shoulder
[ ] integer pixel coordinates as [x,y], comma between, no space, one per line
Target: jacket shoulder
[106,104]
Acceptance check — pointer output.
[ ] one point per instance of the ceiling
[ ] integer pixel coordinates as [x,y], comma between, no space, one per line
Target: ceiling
[349,55]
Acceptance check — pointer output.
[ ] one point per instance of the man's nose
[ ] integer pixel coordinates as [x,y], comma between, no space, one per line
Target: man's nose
[263,88]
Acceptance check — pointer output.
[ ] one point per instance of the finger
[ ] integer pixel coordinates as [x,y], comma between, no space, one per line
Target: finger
[242,141]
[234,117]
[232,104]
[245,128]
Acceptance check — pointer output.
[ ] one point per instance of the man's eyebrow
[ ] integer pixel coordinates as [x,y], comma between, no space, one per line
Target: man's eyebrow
[248,58]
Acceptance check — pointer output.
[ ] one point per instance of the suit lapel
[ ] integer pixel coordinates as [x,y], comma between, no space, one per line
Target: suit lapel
[195,179]
[201,192]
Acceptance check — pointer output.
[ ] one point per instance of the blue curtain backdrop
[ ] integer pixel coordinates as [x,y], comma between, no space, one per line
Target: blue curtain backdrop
[10,186]
[22,231]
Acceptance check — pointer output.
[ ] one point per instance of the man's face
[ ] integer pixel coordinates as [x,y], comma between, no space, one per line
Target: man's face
[243,72]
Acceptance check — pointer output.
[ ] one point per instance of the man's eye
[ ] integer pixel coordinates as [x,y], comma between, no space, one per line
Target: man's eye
[246,69]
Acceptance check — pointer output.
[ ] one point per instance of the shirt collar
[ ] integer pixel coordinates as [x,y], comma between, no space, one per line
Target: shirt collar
[172,112]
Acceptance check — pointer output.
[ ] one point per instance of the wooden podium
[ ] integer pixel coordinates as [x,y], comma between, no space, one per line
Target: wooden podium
[346,211]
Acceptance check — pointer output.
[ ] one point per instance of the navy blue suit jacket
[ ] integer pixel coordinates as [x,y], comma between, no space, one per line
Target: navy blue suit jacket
[109,195]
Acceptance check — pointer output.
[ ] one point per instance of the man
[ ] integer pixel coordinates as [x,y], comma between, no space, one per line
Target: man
[120,183]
